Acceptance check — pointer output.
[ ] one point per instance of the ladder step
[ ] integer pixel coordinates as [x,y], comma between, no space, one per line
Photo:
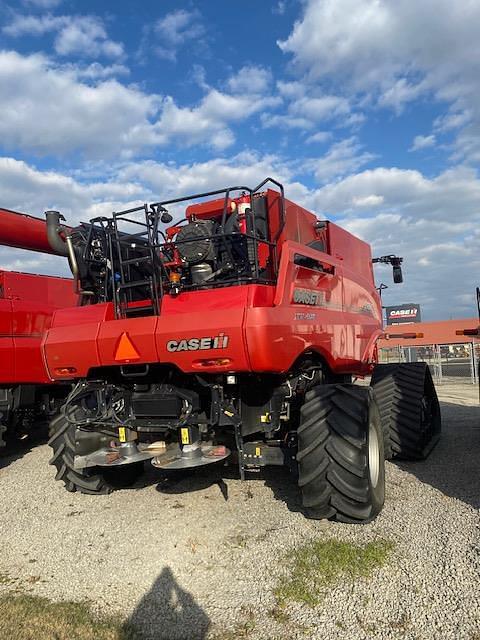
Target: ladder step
[135,283]
[130,311]
[136,260]
[126,238]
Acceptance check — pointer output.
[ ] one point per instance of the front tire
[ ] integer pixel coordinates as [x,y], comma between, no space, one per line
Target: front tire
[341,454]
[92,480]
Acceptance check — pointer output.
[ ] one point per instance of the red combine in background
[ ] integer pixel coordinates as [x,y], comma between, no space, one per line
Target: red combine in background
[27,302]
[236,330]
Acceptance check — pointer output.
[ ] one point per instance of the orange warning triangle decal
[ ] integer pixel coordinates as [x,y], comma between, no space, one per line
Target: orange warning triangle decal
[126,349]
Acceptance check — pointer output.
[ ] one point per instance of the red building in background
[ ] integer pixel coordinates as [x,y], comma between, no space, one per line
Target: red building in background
[441,332]
[453,355]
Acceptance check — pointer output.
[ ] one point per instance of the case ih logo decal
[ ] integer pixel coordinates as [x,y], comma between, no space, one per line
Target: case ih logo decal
[198,344]
[403,314]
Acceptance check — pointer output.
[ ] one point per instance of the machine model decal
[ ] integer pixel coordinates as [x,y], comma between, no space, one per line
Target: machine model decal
[317,299]
[305,316]
[307,296]
[196,344]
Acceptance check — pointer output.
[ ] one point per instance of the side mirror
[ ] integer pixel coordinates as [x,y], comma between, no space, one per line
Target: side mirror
[397,274]
[396,262]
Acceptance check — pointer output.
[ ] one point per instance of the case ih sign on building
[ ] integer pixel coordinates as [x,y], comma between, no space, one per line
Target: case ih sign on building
[403,314]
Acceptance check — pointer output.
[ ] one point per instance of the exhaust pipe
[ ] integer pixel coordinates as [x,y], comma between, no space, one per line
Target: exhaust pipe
[54,228]
[62,247]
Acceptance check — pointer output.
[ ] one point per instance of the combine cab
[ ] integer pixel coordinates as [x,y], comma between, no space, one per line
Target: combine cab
[231,334]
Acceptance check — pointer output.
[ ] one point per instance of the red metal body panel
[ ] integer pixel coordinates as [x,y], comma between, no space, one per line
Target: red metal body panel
[209,209]
[267,330]
[27,303]
[191,315]
[342,327]
[7,367]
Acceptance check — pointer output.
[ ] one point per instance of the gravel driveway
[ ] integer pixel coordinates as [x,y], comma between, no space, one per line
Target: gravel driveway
[199,557]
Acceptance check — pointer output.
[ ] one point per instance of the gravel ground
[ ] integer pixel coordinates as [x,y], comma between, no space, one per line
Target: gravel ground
[199,557]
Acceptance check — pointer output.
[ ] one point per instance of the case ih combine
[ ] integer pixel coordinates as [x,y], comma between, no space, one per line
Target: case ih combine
[235,330]
[27,303]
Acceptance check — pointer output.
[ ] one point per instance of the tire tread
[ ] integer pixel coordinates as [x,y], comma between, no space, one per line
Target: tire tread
[333,453]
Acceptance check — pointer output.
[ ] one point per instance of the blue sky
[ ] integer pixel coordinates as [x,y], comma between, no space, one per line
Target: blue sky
[367,110]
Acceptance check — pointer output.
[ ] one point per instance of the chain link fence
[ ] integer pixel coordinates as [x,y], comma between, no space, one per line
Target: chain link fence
[449,363]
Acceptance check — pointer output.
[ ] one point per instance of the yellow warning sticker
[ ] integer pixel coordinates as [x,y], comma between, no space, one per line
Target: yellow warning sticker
[122,434]
[185,436]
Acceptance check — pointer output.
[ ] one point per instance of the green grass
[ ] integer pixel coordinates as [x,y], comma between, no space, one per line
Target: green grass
[26,617]
[320,564]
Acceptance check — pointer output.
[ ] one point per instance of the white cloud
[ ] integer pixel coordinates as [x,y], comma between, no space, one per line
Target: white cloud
[97,71]
[452,197]
[84,36]
[433,223]
[50,110]
[43,4]
[400,93]
[468,143]
[453,120]
[250,79]
[372,42]
[32,25]
[394,52]
[342,158]
[319,108]
[207,121]
[320,137]
[175,30]
[284,121]
[423,142]
[305,112]
[367,201]
[292,89]
[440,273]
[26,189]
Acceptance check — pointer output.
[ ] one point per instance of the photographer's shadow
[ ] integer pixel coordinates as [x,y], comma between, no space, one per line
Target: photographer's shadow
[168,612]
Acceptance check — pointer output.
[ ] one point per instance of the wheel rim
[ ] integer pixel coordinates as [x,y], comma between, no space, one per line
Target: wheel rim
[373,455]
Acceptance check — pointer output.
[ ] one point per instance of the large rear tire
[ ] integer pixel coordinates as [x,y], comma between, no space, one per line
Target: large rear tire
[409,408]
[92,480]
[340,455]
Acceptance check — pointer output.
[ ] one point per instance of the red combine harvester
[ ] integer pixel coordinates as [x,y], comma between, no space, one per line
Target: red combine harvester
[27,302]
[235,330]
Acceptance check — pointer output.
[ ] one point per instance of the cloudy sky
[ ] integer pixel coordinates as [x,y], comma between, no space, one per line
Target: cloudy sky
[367,110]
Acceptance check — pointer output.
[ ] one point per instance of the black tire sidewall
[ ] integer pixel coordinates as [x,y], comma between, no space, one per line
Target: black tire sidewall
[377,493]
